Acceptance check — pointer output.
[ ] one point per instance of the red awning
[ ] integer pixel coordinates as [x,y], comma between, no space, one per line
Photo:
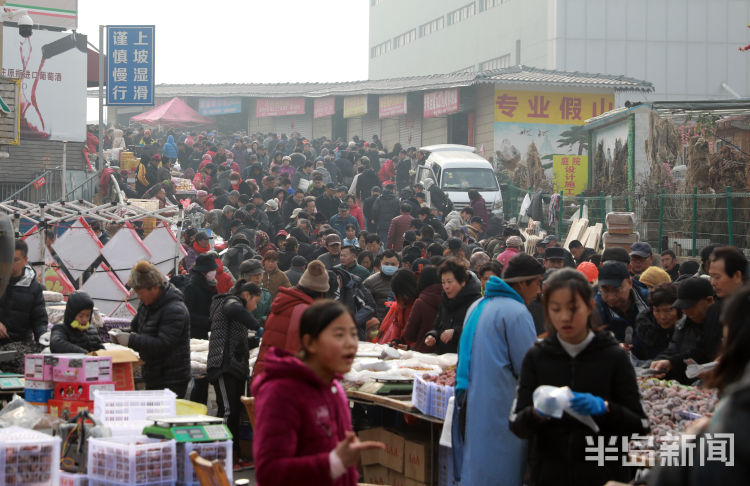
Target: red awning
[92,68]
[173,113]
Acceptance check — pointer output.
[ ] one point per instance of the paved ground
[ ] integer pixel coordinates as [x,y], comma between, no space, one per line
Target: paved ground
[248,474]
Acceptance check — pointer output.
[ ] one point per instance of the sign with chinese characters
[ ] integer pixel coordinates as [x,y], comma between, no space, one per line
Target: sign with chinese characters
[219,106]
[324,107]
[390,106]
[10,120]
[39,182]
[549,107]
[130,65]
[355,106]
[51,68]
[571,173]
[439,103]
[279,107]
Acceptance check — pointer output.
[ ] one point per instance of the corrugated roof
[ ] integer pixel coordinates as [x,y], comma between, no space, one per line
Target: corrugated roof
[512,75]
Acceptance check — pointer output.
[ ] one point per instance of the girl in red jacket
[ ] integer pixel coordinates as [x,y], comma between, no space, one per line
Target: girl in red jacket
[303,431]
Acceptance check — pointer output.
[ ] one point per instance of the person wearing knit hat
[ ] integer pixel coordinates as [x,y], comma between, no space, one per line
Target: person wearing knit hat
[282,326]
[524,273]
[653,276]
[590,271]
[160,330]
[512,248]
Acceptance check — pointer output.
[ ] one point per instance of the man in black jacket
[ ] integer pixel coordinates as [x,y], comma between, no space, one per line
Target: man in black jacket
[160,330]
[384,209]
[367,180]
[22,311]
[367,209]
[698,337]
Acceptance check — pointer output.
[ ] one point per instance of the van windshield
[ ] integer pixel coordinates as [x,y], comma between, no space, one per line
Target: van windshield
[469,178]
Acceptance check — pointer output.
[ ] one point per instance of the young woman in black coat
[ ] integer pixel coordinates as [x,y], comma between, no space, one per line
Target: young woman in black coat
[599,373]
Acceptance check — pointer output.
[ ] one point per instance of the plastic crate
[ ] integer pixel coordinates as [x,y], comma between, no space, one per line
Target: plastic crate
[128,412]
[28,457]
[221,450]
[70,479]
[421,394]
[132,460]
[439,396]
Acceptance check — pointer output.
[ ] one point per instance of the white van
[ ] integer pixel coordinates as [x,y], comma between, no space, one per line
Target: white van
[456,169]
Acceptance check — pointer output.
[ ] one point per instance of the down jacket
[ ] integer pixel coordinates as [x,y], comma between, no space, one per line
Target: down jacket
[557,450]
[162,339]
[22,308]
[65,339]
[282,325]
[422,317]
[300,420]
[452,314]
[228,350]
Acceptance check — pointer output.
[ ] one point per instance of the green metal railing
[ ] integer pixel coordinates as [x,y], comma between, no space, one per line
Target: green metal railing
[683,222]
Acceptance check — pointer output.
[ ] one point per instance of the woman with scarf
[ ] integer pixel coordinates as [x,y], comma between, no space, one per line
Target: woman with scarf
[263,243]
[199,246]
[405,292]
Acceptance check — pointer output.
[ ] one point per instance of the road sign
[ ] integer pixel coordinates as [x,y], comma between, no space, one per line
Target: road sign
[130,65]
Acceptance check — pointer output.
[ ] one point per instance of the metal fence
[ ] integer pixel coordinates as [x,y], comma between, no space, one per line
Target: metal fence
[684,223]
[48,186]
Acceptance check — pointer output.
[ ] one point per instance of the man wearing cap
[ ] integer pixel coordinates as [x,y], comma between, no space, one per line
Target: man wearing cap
[333,257]
[384,209]
[554,257]
[551,241]
[342,219]
[512,248]
[328,203]
[498,332]
[641,257]
[698,337]
[296,269]
[398,227]
[618,301]
[475,227]
[252,271]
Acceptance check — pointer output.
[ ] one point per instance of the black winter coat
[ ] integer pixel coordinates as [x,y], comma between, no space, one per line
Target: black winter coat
[162,338]
[65,339]
[22,308]
[452,313]
[650,338]
[235,256]
[198,295]
[228,350]
[365,182]
[557,446]
[384,209]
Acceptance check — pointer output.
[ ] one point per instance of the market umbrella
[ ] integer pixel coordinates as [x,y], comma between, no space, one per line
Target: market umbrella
[173,113]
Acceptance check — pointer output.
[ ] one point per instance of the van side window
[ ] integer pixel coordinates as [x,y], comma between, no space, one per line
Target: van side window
[436,170]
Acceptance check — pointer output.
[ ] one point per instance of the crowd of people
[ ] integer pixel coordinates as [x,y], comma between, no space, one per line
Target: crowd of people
[329,243]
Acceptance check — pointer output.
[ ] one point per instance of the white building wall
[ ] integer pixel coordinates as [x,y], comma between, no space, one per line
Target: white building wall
[686,48]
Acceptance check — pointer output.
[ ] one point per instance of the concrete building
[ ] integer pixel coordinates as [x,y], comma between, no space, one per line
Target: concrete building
[687,48]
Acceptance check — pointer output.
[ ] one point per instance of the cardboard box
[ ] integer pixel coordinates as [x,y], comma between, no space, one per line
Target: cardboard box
[369,457]
[396,479]
[38,367]
[81,392]
[376,474]
[123,361]
[417,460]
[80,368]
[38,395]
[411,482]
[393,455]
[68,409]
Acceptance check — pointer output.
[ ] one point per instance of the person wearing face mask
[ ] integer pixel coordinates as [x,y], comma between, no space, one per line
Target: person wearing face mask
[198,294]
[76,334]
[379,284]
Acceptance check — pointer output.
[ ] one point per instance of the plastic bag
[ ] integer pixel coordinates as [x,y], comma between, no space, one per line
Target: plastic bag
[21,413]
[553,401]
[446,439]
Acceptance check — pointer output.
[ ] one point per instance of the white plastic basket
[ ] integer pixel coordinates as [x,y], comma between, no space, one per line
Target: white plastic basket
[132,461]
[70,479]
[221,450]
[28,457]
[128,412]
[440,394]
[421,394]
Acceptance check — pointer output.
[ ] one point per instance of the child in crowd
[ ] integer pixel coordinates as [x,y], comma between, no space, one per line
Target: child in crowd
[76,334]
[351,236]
[304,431]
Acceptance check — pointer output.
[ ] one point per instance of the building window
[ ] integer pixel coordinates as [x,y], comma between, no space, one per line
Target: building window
[461,14]
[432,26]
[380,49]
[496,63]
[405,38]
[488,4]
[375,3]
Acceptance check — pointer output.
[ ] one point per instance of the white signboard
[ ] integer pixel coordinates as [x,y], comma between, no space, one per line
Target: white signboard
[52,70]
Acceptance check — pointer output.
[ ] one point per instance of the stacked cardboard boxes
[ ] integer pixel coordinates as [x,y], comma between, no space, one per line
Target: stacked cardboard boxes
[406,460]
[620,230]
